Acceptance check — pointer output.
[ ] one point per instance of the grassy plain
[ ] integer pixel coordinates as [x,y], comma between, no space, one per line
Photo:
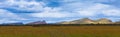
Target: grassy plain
[60,31]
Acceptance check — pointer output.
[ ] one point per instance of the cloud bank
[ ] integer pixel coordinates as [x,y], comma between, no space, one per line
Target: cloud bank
[60,9]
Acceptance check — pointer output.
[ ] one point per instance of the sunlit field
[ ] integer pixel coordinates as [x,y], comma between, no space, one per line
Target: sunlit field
[60,31]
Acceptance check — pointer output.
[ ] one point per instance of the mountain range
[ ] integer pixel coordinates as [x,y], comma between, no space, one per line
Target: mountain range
[89,21]
[38,22]
[77,21]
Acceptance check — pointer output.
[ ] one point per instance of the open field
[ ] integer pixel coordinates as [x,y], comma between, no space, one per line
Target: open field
[60,31]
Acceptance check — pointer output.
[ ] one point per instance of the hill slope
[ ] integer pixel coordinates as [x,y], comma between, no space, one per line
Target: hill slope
[88,21]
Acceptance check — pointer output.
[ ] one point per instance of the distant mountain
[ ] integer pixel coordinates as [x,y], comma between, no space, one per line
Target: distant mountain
[79,21]
[18,23]
[103,21]
[118,22]
[38,22]
[88,21]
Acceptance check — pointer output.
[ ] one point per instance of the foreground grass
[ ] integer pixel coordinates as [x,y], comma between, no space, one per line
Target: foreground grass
[60,31]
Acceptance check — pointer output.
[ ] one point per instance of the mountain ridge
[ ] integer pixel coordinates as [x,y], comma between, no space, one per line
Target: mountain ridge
[89,21]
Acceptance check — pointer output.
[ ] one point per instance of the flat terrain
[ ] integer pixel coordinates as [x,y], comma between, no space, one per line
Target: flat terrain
[60,31]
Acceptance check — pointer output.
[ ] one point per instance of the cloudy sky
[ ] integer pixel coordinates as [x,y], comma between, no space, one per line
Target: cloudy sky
[57,10]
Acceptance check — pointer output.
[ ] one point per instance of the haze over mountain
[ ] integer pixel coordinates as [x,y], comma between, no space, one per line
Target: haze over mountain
[17,23]
[118,22]
[77,21]
[38,22]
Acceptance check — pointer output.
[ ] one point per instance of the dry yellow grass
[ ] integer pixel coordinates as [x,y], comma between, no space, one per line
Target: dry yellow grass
[61,31]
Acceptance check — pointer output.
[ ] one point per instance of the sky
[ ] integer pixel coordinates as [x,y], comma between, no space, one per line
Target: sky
[57,10]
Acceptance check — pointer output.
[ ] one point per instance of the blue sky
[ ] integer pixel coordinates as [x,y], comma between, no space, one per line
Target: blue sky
[57,10]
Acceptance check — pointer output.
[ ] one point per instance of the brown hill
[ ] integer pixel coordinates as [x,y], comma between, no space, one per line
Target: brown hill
[88,21]
[79,21]
[103,21]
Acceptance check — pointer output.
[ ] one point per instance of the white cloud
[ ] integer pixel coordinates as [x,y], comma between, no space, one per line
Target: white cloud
[68,8]
[24,5]
[99,1]
[93,10]
[7,21]
[112,12]
[7,16]
[49,12]
[78,9]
